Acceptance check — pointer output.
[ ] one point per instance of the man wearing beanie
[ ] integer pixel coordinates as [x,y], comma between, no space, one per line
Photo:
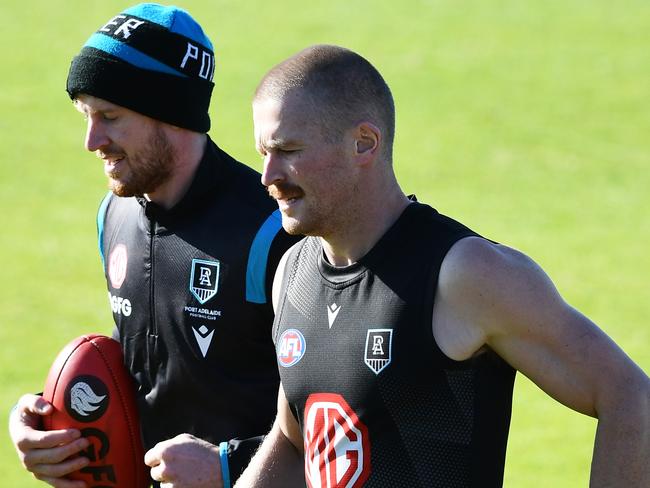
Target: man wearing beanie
[189,241]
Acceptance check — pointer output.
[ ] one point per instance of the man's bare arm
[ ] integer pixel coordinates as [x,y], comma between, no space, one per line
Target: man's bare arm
[279,460]
[494,296]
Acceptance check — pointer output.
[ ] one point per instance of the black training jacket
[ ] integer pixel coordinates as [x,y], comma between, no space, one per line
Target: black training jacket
[189,290]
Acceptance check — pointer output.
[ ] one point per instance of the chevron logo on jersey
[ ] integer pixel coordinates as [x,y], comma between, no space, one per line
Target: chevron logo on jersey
[204,280]
[203,338]
[291,347]
[337,445]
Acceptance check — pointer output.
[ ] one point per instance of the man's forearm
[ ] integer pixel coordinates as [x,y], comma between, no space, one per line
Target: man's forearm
[276,463]
[622,446]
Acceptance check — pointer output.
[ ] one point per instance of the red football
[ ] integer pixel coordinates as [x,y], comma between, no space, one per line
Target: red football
[92,391]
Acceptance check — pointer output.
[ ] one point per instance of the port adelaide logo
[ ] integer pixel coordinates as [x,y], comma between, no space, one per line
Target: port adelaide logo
[378,349]
[86,398]
[204,280]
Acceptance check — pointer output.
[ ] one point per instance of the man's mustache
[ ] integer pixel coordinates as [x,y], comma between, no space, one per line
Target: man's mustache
[284,191]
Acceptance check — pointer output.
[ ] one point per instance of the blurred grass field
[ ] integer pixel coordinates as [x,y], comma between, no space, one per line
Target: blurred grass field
[527,120]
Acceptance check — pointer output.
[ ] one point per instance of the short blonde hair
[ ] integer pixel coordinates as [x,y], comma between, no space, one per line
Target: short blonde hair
[342,87]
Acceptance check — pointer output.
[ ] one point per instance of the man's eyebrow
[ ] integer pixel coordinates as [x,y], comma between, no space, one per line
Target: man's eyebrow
[277,143]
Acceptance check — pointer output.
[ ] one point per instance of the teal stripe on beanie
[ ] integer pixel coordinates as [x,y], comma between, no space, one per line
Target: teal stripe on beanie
[129,54]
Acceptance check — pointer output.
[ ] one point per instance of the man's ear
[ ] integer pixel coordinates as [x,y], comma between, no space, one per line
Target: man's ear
[368,140]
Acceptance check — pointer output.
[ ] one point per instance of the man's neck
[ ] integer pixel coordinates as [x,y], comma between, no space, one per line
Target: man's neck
[189,149]
[347,246]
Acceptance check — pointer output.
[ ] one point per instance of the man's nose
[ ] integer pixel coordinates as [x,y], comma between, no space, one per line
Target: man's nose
[96,136]
[273,171]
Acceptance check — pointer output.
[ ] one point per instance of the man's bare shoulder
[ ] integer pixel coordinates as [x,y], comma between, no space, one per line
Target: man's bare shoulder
[475,261]
[485,290]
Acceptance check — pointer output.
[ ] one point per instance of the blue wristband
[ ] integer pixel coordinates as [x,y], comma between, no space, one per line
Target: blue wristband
[225,471]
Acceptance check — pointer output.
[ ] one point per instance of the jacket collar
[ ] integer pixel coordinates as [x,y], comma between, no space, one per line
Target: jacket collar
[207,178]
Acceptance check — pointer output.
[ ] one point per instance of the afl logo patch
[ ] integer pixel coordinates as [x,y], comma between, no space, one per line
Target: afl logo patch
[86,398]
[117,266]
[291,347]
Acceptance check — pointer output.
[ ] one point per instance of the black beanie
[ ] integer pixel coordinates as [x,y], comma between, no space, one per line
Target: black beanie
[152,59]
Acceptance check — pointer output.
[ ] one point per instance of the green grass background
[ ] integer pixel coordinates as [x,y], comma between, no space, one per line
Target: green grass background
[527,120]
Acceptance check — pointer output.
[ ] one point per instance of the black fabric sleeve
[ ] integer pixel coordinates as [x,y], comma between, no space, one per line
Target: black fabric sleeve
[240,452]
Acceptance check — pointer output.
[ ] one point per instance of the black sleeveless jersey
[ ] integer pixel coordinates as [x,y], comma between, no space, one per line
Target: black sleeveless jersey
[378,403]
[188,288]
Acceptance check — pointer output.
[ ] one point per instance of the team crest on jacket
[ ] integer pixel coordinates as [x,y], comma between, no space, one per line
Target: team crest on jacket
[291,347]
[204,280]
[378,349]
[117,265]
[337,444]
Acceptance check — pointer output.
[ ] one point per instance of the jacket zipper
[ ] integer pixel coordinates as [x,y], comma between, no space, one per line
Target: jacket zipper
[152,306]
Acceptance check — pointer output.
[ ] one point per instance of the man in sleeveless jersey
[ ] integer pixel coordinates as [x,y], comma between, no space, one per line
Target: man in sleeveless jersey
[190,241]
[398,330]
